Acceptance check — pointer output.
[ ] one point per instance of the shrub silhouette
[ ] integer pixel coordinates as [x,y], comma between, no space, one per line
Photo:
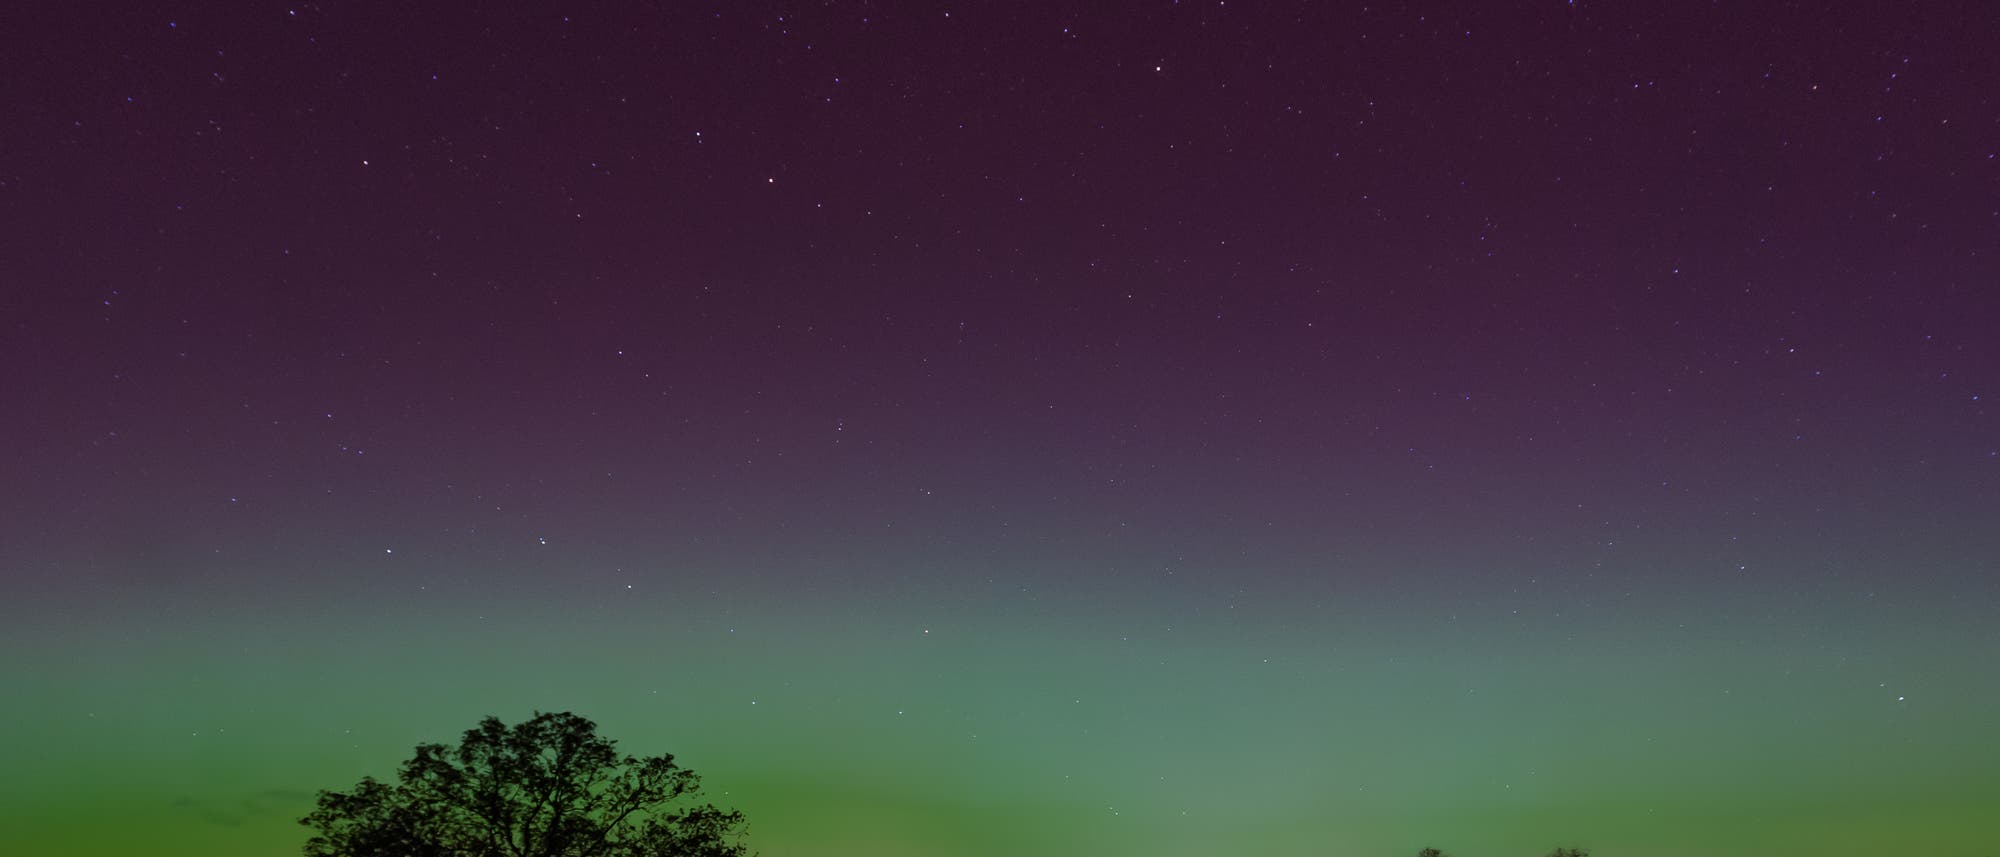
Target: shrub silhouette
[548,787]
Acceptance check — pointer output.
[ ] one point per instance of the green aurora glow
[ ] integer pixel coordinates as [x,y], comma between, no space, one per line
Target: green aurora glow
[1053,717]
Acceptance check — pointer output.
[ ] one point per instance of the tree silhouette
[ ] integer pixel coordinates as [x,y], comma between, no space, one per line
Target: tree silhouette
[1569,852]
[1430,852]
[548,787]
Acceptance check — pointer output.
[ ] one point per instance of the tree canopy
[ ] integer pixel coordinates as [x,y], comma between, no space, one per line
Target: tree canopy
[547,787]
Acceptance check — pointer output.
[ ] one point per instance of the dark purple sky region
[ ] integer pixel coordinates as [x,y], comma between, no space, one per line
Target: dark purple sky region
[1313,357]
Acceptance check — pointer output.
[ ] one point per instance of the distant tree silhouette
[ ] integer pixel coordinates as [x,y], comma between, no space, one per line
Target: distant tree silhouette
[1430,852]
[1569,852]
[548,787]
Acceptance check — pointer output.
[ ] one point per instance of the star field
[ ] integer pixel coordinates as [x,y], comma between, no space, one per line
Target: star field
[1164,428]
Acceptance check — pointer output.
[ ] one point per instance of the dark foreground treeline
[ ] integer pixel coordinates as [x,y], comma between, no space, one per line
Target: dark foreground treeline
[1559,852]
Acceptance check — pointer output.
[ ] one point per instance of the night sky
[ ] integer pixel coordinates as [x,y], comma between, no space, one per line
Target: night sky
[1147,430]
